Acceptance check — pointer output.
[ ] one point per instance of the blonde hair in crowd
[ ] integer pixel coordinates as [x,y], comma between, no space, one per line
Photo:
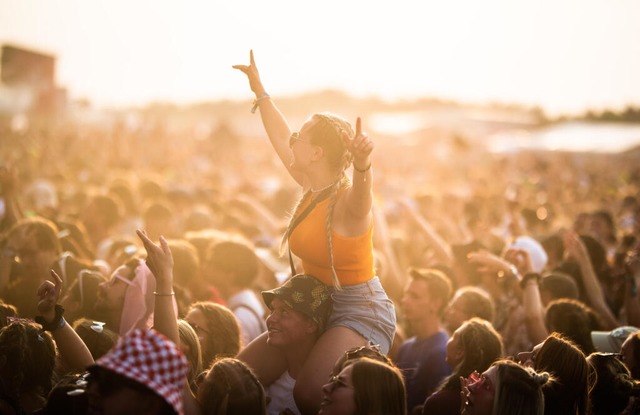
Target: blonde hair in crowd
[327,133]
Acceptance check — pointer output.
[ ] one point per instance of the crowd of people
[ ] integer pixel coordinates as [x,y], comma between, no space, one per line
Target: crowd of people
[144,274]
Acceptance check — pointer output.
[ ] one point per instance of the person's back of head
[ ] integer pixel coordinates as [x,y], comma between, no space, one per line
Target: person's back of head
[468,302]
[98,338]
[574,320]
[68,396]
[221,335]
[568,365]
[231,387]
[28,360]
[186,263]
[81,296]
[556,285]
[43,231]
[614,385]
[518,390]
[236,258]
[378,387]
[480,345]
[104,209]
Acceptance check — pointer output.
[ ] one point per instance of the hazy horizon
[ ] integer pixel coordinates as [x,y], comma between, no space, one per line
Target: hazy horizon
[563,56]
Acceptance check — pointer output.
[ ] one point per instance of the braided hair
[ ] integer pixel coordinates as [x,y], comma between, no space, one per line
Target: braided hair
[327,133]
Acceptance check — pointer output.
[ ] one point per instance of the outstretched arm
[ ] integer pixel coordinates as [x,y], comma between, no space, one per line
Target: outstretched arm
[441,248]
[273,121]
[73,352]
[160,262]
[575,247]
[359,197]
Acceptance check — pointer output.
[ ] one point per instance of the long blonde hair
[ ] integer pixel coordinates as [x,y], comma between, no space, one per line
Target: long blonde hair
[327,133]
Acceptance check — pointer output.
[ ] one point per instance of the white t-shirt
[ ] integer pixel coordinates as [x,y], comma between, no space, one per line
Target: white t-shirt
[281,394]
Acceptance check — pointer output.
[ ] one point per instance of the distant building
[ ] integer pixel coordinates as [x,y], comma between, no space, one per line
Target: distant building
[27,82]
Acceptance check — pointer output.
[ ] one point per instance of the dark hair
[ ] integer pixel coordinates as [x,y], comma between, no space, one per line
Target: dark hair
[98,338]
[109,382]
[560,285]
[574,320]
[29,359]
[68,396]
[634,343]
[231,387]
[614,385]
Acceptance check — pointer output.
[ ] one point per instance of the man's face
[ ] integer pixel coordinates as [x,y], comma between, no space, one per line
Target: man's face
[288,327]
[416,300]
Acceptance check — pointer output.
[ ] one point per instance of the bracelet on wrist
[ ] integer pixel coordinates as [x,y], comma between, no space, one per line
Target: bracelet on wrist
[164,295]
[530,276]
[256,102]
[58,321]
[366,169]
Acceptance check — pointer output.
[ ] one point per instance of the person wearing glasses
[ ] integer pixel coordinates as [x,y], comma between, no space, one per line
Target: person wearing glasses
[331,232]
[125,301]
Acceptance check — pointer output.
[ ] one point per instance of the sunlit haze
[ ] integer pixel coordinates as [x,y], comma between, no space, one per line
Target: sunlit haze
[565,56]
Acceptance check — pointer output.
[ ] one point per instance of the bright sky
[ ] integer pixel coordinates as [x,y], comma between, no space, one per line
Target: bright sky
[565,55]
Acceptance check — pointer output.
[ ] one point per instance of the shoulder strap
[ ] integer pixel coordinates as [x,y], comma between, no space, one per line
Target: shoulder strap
[322,196]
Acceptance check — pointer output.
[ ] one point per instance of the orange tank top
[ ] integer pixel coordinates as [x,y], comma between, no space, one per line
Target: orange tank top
[352,256]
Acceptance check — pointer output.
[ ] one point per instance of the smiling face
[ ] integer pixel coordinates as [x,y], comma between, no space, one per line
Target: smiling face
[338,395]
[479,392]
[288,327]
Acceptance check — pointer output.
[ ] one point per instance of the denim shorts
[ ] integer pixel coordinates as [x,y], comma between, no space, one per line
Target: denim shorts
[366,309]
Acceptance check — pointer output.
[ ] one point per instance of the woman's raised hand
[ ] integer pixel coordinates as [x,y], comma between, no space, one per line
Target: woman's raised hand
[251,71]
[159,258]
[48,294]
[360,147]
